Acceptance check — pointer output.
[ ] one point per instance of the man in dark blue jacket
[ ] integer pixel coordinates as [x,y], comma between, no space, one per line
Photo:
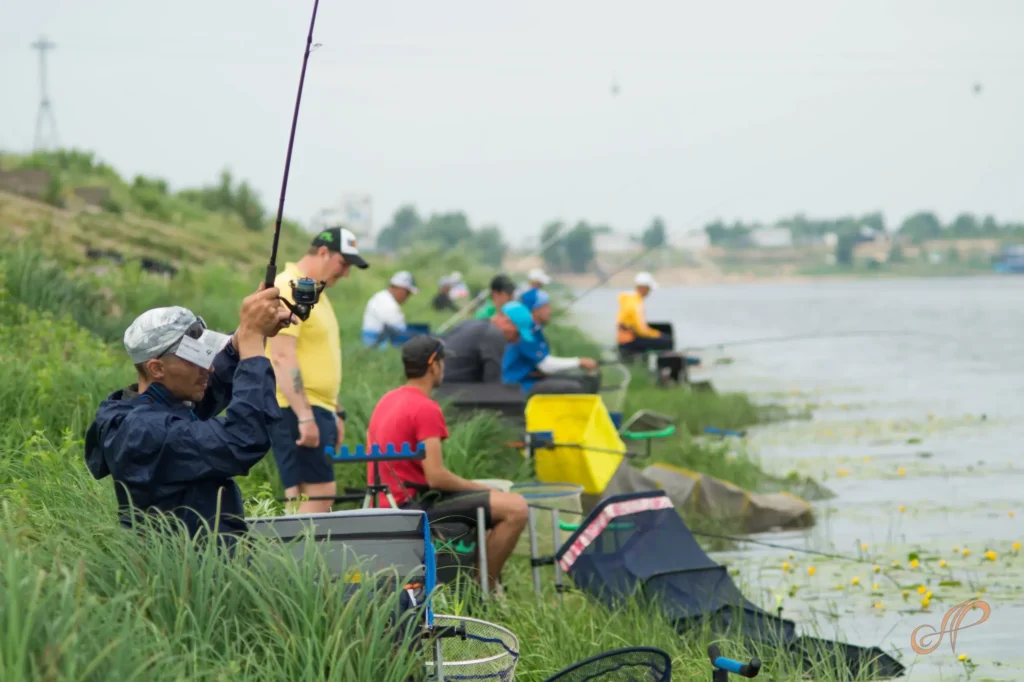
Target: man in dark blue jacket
[160,440]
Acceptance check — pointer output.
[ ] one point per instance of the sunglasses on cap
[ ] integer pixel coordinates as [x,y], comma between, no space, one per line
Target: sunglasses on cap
[195,332]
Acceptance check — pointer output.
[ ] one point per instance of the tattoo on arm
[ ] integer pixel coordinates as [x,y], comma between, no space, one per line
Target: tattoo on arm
[297,380]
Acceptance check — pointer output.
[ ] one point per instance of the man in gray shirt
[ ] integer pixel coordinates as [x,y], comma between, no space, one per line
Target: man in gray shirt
[475,349]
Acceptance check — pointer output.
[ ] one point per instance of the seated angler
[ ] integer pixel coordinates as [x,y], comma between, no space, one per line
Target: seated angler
[409,415]
[475,349]
[529,361]
[160,440]
[383,319]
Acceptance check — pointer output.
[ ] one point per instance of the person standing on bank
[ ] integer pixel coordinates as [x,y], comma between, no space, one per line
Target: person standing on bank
[407,414]
[160,440]
[307,362]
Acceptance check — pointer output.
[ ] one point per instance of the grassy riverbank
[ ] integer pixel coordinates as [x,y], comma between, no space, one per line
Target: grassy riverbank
[84,601]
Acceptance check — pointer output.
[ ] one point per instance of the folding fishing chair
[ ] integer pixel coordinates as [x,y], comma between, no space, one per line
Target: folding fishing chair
[374,458]
[361,543]
[633,664]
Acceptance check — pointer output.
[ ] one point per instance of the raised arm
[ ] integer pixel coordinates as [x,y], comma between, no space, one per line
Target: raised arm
[218,392]
[150,446]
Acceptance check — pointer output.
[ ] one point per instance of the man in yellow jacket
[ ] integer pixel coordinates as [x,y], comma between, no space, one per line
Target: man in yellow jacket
[633,334]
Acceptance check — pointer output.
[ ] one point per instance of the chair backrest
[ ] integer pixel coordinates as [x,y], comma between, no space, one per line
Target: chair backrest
[375,539]
[635,664]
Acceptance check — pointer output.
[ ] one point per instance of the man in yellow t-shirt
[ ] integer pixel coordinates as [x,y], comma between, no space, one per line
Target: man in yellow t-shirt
[307,363]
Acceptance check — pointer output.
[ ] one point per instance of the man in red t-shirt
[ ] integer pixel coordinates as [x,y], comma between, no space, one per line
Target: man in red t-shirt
[408,415]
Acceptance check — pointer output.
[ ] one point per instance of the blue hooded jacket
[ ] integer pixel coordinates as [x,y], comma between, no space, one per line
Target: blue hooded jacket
[178,458]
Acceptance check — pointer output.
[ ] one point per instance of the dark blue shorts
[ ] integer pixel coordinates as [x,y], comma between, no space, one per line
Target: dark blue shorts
[301,464]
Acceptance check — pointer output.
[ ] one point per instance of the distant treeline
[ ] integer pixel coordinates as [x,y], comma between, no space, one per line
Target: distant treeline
[917,228]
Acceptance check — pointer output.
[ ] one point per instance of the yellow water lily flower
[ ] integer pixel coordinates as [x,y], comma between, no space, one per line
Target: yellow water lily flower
[874,587]
[901,471]
[1016,546]
[785,566]
[991,556]
[877,568]
[842,472]
[914,563]
[864,548]
[925,602]
[962,657]
[967,552]
[902,509]
[942,563]
[921,589]
[856,580]
[879,605]
[956,550]
[811,570]
[895,564]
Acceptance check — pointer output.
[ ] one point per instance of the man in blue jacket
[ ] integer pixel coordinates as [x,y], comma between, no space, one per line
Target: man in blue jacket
[529,362]
[160,440]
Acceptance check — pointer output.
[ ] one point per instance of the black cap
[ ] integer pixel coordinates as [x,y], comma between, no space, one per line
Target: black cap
[503,283]
[421,351]
[344,242]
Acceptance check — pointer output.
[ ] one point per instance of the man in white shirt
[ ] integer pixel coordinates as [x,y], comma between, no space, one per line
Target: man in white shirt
[383,318]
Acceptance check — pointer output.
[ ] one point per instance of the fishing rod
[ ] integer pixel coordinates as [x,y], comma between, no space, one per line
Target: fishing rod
[307,291]
[800,337]
[479,298]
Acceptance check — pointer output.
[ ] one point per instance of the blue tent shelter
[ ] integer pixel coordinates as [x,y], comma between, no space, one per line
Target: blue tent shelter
[637,544]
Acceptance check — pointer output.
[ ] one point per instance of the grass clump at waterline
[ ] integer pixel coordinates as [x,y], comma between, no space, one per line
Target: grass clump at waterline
[89,601]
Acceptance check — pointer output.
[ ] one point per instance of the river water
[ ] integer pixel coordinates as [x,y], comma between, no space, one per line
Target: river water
[917,434]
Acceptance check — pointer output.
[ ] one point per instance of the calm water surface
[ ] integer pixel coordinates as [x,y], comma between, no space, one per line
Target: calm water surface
[917,434]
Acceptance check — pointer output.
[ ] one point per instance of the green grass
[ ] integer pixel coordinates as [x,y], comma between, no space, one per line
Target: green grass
[84,600]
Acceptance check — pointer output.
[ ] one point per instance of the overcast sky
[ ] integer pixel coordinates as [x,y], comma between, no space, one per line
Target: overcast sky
[751,110]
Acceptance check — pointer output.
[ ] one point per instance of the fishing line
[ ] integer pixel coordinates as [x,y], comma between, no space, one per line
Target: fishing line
[732,538]
[479,298]
[799,337]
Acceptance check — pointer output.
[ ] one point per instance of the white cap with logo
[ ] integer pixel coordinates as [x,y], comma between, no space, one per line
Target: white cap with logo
[538,275]
[342,241]
[645,279]
[404,280]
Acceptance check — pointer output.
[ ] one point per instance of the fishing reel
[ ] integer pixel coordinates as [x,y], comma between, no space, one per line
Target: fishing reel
[306,294]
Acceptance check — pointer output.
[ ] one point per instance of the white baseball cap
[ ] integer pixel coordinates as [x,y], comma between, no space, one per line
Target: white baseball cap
[538,275]
[344,241]
[176,330]
[645,279]
[404,280]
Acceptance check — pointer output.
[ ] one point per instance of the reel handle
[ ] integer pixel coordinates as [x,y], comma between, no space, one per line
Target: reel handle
[728,665]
